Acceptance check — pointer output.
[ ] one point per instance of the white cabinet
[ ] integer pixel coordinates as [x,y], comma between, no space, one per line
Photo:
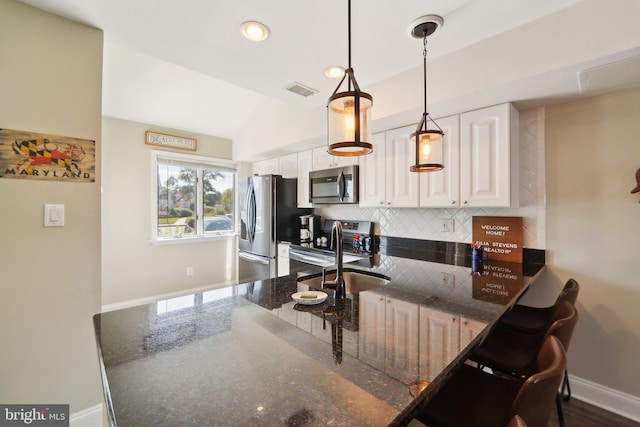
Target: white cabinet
[481,161]
[442,336]
[372,329]
[442,188]
[323,160]
[372,174]
[439,341]
[389,335]
[305,163]
[283,259]
[401,349]
[469,329]
[489,157]
[385,179]
[266,167]
[288,165]
[402,189]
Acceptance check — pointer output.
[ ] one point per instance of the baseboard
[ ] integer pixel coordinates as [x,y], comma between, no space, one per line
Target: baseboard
[90,417]
[154,298]
[606,398]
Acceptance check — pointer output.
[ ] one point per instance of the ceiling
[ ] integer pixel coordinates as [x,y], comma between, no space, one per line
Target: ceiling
[185,65]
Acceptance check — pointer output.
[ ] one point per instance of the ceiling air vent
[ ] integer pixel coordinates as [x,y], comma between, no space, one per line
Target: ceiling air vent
[300,89]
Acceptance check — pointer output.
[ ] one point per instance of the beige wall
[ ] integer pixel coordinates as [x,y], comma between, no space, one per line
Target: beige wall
[51,82]
[133,268]
[593,230]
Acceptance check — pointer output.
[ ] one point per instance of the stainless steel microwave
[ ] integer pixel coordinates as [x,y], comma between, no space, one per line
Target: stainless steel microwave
[334,186]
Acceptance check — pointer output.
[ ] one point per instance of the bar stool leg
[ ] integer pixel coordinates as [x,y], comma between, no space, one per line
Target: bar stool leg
[559,410]
[565,384]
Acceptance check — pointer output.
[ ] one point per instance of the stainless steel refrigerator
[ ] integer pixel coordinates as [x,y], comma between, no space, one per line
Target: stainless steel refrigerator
[268,215]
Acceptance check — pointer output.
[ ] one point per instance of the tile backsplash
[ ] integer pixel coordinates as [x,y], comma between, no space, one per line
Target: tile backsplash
[424,223]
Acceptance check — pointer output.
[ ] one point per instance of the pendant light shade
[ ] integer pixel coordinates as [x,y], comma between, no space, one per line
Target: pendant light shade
[428,137]
[349,115]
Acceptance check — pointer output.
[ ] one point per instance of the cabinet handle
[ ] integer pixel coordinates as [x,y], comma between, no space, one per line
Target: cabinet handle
[453,319]
[465,202]
[453,202]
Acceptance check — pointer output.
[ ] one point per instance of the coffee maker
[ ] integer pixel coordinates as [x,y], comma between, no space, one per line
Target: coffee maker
[309,229]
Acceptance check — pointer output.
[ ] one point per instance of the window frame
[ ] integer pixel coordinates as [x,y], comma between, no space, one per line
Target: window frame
[199,163]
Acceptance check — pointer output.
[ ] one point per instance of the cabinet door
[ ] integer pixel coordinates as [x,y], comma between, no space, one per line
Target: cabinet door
[372,174]
[321,159]
[401,349]
[305,159]
[257,168]
[469,329]
[288,165]
[272,166]
[439,341]
[402,186]
[485,157]
[372,329]
[442,188]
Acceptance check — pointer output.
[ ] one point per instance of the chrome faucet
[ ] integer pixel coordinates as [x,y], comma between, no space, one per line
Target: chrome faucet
[338,283]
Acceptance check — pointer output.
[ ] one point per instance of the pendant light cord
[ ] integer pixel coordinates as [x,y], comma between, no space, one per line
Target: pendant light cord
[349,38]
[424,71]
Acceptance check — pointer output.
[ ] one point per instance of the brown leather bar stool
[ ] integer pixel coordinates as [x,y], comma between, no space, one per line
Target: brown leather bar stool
[514,353]
[516,421]
[534,320]
[481,399]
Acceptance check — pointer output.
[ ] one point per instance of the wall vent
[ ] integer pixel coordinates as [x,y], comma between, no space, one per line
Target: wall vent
[300,89]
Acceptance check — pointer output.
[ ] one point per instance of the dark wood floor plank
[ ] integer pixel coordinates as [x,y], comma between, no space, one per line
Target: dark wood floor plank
[581,414]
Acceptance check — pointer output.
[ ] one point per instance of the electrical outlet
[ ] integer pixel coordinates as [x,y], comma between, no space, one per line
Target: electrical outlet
[189,271]
[448,280]
[446,225]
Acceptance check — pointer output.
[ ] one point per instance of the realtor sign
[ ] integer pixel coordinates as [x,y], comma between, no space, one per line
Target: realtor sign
[500,236]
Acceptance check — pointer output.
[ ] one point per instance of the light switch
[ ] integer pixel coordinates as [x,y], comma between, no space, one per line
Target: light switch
[53,215]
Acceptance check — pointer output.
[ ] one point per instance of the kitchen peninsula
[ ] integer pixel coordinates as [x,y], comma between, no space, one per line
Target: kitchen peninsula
[248,355]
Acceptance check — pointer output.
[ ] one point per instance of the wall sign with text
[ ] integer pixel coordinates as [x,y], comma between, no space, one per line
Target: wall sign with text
[500,236]
[170,141]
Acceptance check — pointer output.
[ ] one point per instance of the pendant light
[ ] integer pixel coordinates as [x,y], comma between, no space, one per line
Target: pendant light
[349,115]
[428,137]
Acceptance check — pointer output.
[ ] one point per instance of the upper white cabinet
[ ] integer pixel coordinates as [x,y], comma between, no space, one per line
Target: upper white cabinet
[266,167]
[385,179]
[489,157]
[288,165]
[323,160]
[305,162]
[372,174]
[481,155]
[442,188]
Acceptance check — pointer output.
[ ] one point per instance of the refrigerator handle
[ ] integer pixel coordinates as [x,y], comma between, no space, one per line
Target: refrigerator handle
[253,258]
[251,214]
[340,184]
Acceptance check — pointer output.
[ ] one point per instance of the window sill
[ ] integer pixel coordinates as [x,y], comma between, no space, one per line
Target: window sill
[194,239]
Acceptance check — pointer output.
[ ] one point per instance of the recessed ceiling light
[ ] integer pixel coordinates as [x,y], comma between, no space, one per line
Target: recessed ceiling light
[255,31]
[334,72]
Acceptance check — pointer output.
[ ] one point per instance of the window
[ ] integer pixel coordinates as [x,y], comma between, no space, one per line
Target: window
[194,196]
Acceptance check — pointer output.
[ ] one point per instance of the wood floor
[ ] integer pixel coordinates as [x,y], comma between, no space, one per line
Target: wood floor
[581,414]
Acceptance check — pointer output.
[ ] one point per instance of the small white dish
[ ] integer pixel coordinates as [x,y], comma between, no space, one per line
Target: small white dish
[309,297]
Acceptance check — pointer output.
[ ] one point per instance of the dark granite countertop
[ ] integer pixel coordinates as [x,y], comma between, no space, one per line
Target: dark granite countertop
[248,355]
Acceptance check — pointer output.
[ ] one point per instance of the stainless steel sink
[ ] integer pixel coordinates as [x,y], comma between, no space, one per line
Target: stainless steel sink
[356,281]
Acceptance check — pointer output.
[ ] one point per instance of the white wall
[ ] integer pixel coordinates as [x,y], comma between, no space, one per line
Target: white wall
[593,225]
[132,267]
[50,81]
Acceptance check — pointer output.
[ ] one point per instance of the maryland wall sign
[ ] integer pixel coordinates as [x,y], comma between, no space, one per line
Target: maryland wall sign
[28,155]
